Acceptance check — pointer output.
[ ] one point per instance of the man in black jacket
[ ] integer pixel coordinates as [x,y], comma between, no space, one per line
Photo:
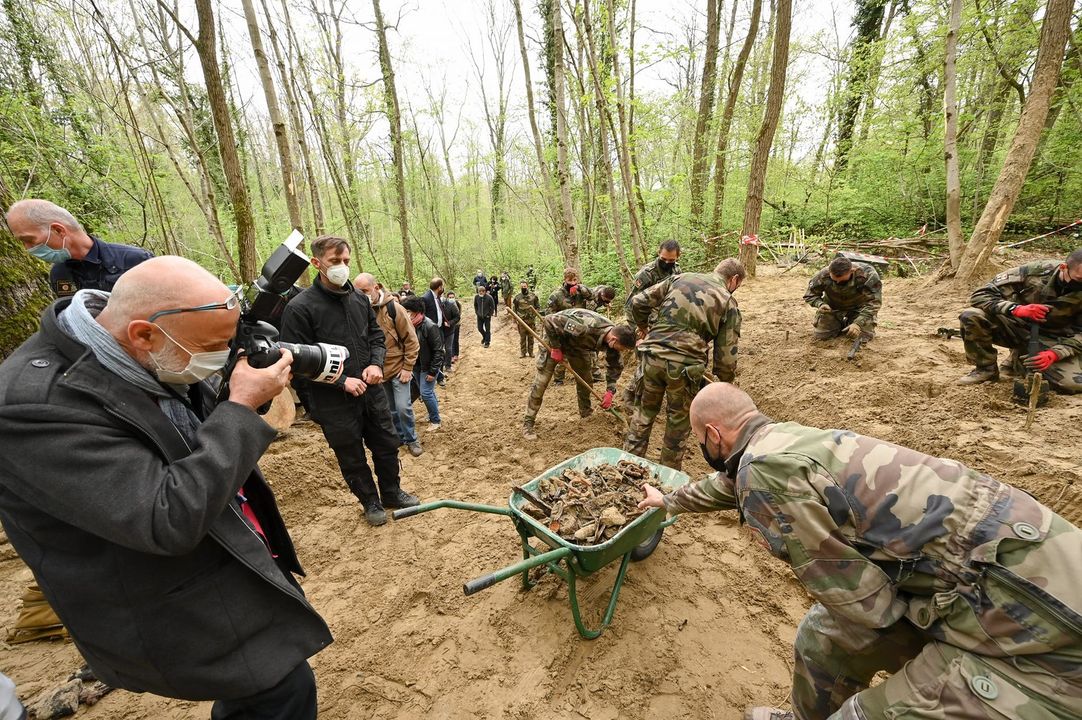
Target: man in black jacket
[484,307]
[351,417]
[456,325]
[452,311]
[137,501]
[429,357]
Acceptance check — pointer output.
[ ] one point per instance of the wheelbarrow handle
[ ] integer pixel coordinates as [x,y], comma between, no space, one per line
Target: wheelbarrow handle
[454,504]
[487,581]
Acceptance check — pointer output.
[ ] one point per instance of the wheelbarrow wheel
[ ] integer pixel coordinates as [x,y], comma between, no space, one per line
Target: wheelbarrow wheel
[646,548]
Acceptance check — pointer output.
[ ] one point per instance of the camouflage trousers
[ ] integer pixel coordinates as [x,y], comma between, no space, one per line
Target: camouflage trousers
[525,340]
[982,331]
[830,325]
[654,381]
[546,368]
[561,370]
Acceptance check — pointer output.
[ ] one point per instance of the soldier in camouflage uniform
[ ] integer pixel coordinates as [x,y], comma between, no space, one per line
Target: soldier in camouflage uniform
[1045,292]
[569,295]
[694,310]
[521,305]
[654,272]
[575,335]
[911,559]
[847,297]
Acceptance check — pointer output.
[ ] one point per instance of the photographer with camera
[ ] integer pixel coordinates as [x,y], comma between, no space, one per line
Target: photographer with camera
[134,495]
[351,417]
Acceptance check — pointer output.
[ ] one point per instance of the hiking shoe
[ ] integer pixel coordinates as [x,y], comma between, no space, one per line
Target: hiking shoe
[979,375]
[586,414]
[768,713]
[441,382]
[528,431]
[557,382]
[399,498]
[433,426]
[374,513]
[522,355]
[415,448]
[1012,366]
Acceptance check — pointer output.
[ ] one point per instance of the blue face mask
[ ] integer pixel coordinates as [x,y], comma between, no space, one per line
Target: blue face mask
[48,254]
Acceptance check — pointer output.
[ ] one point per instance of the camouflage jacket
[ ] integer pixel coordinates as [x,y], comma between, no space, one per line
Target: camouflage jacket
[863,292]
[875,532]
[693,310]
[648,276]
[521,304]
[505,283]
[579,331]
[561,299]
[1038,282]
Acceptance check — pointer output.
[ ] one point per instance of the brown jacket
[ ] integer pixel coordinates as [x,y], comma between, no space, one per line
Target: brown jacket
[402,345]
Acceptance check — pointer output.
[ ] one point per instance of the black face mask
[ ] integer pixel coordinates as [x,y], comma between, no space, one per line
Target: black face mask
[666,265]
[525,290]
[716,463]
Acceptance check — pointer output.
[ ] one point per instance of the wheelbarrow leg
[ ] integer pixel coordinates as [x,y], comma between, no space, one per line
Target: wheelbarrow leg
[609,612]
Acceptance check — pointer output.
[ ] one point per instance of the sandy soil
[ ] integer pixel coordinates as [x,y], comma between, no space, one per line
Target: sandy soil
[703,627]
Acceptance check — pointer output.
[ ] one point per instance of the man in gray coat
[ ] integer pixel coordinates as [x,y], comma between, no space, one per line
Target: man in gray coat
[137,502]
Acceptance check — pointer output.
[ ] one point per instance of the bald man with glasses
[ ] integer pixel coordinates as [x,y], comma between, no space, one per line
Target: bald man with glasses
[133,494]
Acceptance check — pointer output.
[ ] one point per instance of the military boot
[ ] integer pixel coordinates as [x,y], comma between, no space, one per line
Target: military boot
[528,431]
[979,375]
[767,713]
[374,512]
[399,498]
[1012,366]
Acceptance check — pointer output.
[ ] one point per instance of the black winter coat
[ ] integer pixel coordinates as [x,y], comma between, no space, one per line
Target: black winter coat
[136,539]
[484,306]
[430,357]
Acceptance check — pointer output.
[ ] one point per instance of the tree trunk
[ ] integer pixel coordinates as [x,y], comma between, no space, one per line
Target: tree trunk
[227,142]
[390,96]
[753,205]
[542,164]
[24,286]
[278,124]
[700,172]
[721,156]
[568,239]
[868,19]
[1008,185]
[950,137]
[626,171]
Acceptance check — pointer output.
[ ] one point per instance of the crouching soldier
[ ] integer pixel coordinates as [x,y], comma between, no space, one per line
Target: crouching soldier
[846,297]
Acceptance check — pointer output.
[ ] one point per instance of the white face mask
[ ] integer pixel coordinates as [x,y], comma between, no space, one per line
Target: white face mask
[338,275]
[201,365]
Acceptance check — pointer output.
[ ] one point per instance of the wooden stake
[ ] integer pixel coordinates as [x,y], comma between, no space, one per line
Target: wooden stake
[1034,394]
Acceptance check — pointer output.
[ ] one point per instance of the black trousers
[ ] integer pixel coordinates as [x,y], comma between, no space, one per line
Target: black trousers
[448,346]
[294,698]
[484,326]
[365,422]
[454,342]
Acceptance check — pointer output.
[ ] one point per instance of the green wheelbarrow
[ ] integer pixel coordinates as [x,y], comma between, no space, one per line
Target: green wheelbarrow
[635,541]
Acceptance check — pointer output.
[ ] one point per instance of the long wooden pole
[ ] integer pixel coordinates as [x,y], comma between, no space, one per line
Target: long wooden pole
[571,370]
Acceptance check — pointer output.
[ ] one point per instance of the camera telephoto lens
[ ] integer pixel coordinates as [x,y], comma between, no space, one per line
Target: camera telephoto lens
[321,363]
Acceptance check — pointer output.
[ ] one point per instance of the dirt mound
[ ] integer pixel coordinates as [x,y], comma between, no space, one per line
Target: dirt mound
[703,627]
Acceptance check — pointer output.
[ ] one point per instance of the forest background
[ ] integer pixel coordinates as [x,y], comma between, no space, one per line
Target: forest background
[445,136]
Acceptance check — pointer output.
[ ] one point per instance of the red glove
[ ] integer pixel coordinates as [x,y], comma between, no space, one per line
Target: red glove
[574,290]
[606,402]
[1031,312]
[556,354]
[1041,361]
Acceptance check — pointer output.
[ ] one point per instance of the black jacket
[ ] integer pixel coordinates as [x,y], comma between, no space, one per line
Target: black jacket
[136,539]
[430,356]
[452,313]
[319,315]
[99,270]
[430,307]
[484,306]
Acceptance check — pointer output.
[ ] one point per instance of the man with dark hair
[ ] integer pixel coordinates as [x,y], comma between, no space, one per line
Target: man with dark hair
[494,290]
[80,261]
[691,311]
[523,302]
[133,492]
[575,335]
[959,587]
[846,296]
[1046,294]
[484,307]
[662,268]
[603,297]
[352,413]
[434,310]
[429,359]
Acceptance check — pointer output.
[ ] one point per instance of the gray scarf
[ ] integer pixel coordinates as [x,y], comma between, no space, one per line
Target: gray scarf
[77,321]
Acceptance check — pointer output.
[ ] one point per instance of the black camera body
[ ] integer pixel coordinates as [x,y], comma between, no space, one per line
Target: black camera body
[262,303]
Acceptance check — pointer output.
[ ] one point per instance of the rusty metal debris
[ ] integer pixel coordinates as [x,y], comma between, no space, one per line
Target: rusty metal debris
[591,505]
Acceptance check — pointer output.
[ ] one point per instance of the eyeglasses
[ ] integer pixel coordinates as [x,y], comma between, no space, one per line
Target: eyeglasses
[228,304]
